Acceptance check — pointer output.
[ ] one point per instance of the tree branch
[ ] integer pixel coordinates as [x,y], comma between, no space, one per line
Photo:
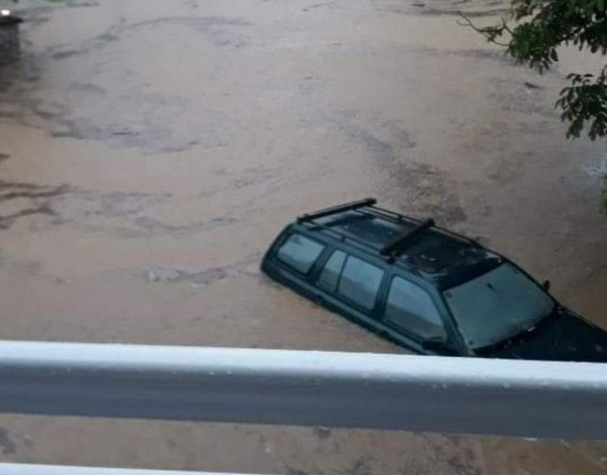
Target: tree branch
[482,31]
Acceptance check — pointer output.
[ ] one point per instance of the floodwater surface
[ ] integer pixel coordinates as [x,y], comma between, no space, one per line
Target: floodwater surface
[150,150]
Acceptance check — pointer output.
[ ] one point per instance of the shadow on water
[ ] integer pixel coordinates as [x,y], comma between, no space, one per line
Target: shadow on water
[9,39]
[10,49]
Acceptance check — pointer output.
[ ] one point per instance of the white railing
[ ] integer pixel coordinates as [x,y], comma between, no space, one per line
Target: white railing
[22,469]
[400,392]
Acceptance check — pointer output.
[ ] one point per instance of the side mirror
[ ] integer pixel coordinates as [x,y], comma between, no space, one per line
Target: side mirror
[546,285]
[438,345]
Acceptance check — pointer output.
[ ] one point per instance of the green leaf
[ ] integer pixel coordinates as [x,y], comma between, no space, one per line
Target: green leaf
[537,28]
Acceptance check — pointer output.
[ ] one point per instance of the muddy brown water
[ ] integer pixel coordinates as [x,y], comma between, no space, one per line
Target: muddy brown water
[150,150]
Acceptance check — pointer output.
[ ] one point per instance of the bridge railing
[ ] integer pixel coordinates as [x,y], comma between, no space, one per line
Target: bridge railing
[309,388]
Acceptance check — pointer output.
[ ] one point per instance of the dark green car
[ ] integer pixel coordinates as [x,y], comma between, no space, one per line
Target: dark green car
[427,289]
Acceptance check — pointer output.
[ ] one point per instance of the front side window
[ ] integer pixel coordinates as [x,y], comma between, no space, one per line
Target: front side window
[411,308]
[299,252]
[497,306]
[360,282]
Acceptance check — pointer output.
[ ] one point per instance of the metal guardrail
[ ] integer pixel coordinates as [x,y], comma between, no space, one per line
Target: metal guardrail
[414,393]
[22,469]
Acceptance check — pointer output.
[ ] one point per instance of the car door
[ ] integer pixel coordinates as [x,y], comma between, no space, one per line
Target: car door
[413,316]
[351,284]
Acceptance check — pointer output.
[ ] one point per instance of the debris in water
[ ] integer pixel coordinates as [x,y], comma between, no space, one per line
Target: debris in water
[322,432]
[531,85]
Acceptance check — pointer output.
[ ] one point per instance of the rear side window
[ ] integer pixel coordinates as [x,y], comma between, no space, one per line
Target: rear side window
[330,273]
[299,252]
[360,282]
[412,309]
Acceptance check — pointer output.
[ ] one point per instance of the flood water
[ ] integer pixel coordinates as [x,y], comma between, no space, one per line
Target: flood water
[150,150]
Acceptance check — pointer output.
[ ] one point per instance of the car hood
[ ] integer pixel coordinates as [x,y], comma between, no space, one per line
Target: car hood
[563,336]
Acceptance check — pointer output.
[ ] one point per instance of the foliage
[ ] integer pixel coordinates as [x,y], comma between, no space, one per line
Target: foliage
[532,32]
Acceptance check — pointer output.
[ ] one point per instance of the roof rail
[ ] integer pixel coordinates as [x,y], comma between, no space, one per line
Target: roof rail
[459,236]
[341,236]
[416,221]
[337,209]
[400,242]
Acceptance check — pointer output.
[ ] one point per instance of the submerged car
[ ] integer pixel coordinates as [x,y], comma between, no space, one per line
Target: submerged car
[430,290]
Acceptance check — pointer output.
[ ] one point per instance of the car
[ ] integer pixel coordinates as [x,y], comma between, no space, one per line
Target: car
[427,289]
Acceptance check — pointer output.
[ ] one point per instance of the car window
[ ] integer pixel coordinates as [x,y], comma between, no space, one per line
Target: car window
[299,252]
[360,282]
[411,308]
[330,273]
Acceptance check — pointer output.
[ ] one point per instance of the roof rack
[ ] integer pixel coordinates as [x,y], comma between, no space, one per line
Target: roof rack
[337,209]
[341,236]
[448,232]
[459,236]
[407,238]
[390,250]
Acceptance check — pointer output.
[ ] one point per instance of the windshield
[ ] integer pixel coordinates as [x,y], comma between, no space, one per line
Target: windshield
[497,305]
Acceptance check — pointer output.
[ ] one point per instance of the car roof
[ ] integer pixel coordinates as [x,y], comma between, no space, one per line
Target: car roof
[445,259]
